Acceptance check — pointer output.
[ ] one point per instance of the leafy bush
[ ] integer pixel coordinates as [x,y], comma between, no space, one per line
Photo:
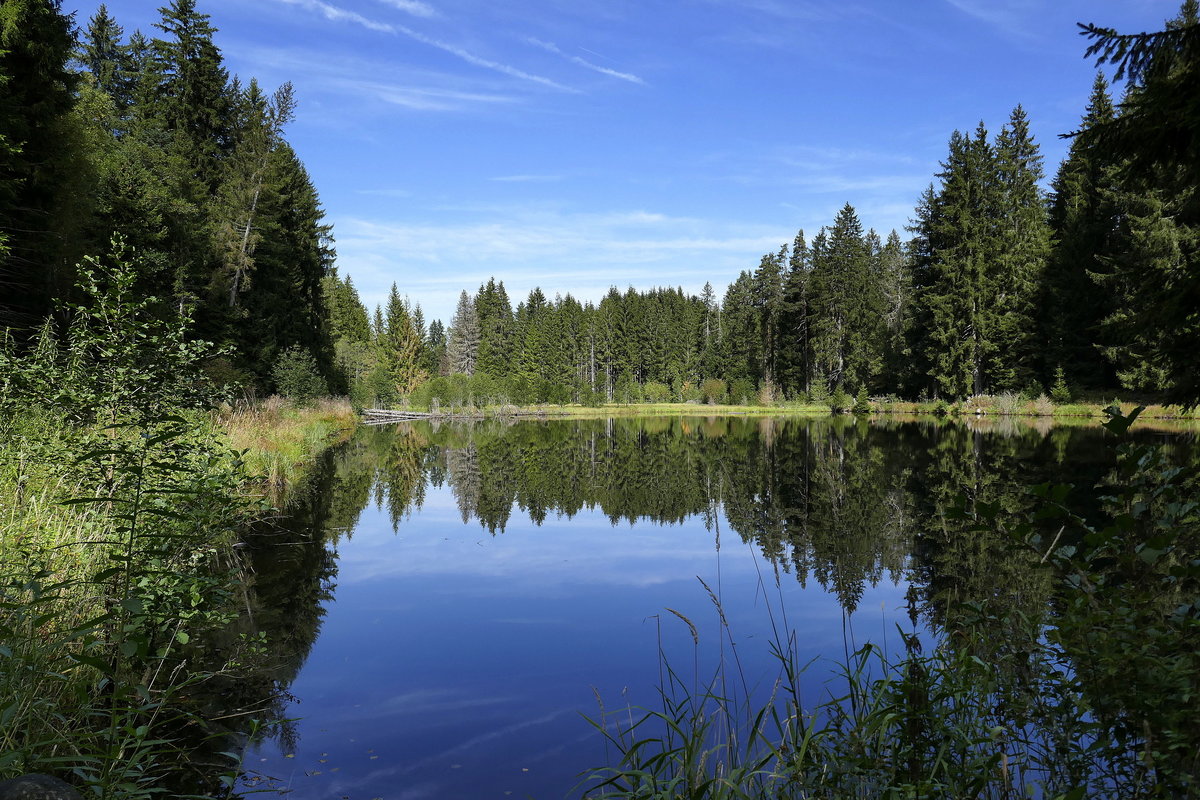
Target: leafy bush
[713,390]
[839,401]
[296,375]
[656,392]
[741,392]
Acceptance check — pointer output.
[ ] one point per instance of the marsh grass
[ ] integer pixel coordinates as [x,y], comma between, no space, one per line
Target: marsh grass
[279,437]
[945,725]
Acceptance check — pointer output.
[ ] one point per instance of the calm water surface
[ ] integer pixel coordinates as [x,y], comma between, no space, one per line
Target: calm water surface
[447,602]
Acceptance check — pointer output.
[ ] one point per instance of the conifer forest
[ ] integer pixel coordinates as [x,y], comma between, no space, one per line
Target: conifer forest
[210,431]
[1001,283]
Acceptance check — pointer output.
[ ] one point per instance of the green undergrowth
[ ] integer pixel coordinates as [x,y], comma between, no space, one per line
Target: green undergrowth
[279,438]
[124,497]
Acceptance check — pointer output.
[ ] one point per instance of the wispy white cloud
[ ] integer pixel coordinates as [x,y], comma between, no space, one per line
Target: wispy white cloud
[339,14]
[1013,17]
[550,47]
[391,83]
[479,61]
[422,98]
[414,7]
[576,253]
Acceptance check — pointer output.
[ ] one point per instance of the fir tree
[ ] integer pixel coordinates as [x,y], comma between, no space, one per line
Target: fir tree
[1083,218]
[462,346]
[1018,269]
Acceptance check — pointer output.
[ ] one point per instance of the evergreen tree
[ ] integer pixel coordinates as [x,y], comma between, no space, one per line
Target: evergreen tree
[1083,218]
[400,347]
[845,304]
[1023,246]
[38,159]
[957,250]
[462,346]
[1153,333]
[193,98]
[768,299]
[496,329]
[793,320]
[103,55]
[896,289]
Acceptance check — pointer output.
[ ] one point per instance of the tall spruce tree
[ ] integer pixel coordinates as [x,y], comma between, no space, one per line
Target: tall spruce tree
[1083,219]
[956,249]
[1022,248]
[844,305]
[39,159]
[462,345]
[1153,332]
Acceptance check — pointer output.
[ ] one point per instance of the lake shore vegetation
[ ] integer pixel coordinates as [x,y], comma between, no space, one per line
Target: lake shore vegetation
[163,250]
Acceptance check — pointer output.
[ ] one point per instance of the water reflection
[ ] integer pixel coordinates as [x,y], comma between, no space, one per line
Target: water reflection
[473,585]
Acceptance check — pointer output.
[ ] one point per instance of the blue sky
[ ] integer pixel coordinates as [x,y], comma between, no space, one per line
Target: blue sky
[578,144]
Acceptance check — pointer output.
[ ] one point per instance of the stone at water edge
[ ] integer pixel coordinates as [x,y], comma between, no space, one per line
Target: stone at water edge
[36,786]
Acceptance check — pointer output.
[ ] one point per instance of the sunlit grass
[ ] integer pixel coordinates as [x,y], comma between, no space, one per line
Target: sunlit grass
[280,437]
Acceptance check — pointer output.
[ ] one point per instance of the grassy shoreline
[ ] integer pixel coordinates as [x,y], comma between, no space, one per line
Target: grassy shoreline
[993,408]
[280,438]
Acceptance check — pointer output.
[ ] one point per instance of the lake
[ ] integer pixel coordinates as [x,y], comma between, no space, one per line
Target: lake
[444,604]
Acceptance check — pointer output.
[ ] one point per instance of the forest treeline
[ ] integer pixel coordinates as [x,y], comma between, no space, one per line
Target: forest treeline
[1000,286]
[147,140]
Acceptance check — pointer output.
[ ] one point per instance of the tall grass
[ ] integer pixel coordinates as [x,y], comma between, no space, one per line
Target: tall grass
[280,437]
[944,725]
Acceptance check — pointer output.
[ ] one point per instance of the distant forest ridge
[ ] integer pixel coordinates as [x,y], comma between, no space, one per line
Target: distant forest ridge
[1001,287]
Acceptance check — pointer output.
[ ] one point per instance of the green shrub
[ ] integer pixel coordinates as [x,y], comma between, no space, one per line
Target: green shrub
[656,392]
[713,390]
[839,401]
[741,392]
[862,404]
[1060,392]
[296,375]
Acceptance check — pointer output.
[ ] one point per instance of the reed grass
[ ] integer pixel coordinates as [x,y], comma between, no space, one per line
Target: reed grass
[279,437]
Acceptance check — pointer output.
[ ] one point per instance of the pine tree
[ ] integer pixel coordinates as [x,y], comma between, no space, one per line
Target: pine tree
[844,304]
[1083,218]
[956,248]
[462,346]
[1154,270]
[793,319]
[1018,271]
[896,288]
[103,55]
[496,329]
[38,159]
[258,134]
[768,299]
[193,98]
[400,346]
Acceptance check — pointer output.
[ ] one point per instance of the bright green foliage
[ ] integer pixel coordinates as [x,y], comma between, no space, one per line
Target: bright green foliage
[296,375]
[1060,392]
[117,361]
[400,346]
[845,303]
